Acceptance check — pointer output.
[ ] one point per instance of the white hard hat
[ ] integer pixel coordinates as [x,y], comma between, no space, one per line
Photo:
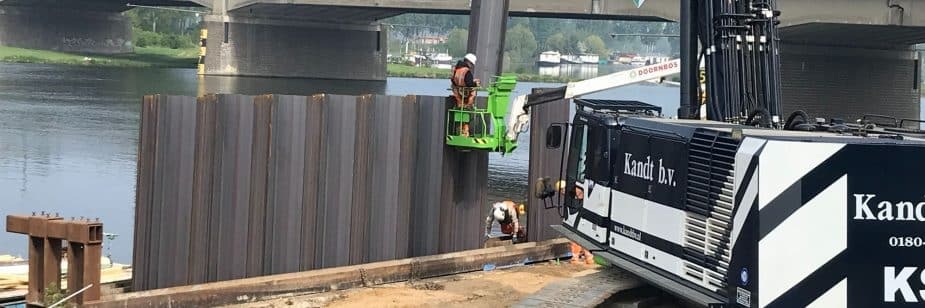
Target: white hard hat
[470,57]
[498,212]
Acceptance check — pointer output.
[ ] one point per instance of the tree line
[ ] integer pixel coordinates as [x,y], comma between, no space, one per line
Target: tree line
[526,36]
[164,27]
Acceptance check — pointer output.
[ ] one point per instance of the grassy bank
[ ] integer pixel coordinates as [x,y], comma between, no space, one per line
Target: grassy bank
[188,57]
[400,70]
[143,57]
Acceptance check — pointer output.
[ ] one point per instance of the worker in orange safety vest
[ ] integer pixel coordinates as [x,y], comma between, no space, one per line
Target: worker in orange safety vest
[505,213]
[463,81]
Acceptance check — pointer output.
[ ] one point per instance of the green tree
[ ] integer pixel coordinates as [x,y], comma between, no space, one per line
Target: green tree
[595,45]
[520,43]
[456,42]
[574,43]
[556,42]
[166,28]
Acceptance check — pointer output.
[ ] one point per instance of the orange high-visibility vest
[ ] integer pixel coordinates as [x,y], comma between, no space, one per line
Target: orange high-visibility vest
[459,76]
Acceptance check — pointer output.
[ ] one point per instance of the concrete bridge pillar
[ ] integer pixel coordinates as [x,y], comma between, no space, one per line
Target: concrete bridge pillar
[487,26]
[62,29]
[848,82]
[269,47]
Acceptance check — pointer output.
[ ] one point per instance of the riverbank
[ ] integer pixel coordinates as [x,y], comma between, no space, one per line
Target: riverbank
[162,57]
[401,70]
[143,57]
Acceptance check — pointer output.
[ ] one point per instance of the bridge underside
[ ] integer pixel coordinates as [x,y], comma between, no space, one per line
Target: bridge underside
[848,70]
[533,8]
[853,35]
[273,47]
[103,5]
[64,29]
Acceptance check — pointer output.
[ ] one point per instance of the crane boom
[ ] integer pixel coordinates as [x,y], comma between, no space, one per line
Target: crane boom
[519,119]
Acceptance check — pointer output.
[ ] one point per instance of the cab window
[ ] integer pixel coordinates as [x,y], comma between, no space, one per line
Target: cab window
[575,168]
[598,155]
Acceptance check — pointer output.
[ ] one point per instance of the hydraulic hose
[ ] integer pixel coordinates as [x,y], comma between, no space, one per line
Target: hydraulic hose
[765,117]
[792,119]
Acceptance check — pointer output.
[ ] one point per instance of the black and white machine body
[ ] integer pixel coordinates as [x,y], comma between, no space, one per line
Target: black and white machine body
[739,216]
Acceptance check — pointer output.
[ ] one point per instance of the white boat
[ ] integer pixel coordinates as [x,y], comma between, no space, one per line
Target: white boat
[639,61]
[441,61]
[550,58]
[442,57]
[589,58]
[571,59]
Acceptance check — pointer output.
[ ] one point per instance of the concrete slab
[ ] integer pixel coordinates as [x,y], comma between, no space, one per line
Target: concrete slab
[588,290]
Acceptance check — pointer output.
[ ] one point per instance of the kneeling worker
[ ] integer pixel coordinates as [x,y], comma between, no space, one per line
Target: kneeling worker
[505,213]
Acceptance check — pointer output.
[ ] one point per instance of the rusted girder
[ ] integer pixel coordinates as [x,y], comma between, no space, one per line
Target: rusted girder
[46,233]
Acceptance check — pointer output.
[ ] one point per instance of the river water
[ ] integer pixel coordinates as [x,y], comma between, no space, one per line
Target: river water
[68,136]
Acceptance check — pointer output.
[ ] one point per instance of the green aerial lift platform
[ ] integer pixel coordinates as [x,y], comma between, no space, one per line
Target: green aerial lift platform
[487,128]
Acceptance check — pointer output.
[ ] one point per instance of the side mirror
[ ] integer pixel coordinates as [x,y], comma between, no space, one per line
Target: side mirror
[554,136]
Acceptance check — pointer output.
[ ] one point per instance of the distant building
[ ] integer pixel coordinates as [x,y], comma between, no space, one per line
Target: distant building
[430,40]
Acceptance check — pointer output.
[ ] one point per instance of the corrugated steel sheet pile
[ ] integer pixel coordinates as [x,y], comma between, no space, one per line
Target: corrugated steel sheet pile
[233,186]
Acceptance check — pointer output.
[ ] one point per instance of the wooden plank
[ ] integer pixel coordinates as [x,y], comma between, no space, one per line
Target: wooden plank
[245,290]
[311,180]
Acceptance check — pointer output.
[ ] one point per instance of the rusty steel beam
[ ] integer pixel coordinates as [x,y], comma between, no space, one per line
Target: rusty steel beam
[544,163]
[17,224]
[311,191]
[144,194]
[45,236]
[362,162]
[238,186]
[257,254]
[36,270]
[336,187]
[85,248]
[285,183]
[199,262]
[425,207]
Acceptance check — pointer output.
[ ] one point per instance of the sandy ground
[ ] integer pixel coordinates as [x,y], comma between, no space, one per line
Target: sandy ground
[498,288]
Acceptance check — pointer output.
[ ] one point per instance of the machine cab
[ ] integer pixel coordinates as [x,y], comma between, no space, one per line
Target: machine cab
[586,173]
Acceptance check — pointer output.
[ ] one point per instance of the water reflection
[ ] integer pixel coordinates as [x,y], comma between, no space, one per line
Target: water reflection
[69,135]
[580,71]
